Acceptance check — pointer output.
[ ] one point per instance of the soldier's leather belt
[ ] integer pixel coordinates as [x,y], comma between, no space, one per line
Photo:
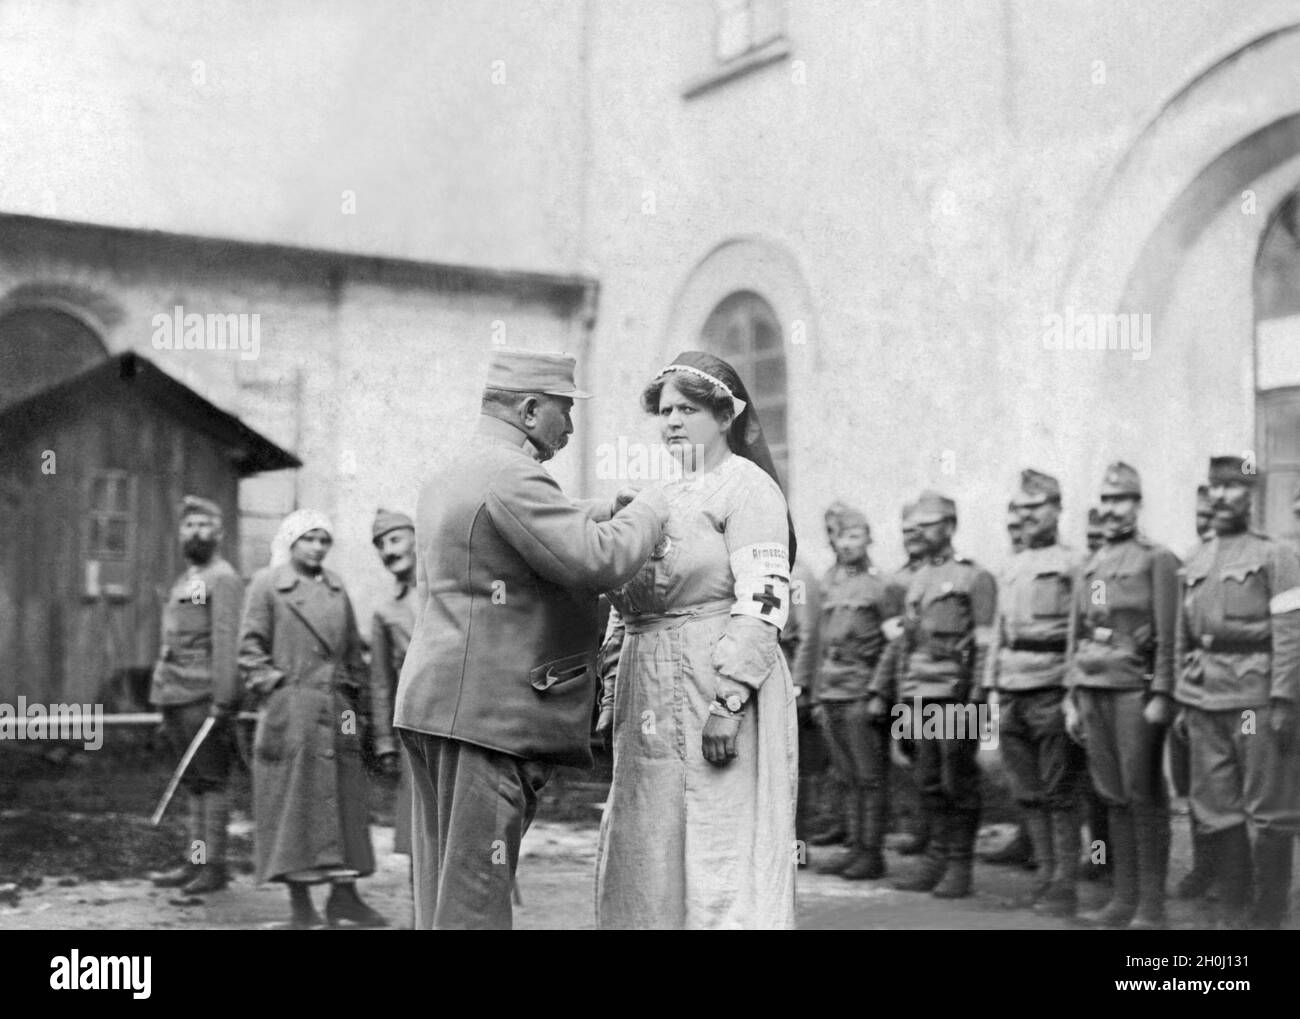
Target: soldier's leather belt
[1056,644]
[1228,646]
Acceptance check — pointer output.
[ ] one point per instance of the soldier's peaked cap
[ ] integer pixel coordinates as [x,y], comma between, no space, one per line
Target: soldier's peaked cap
[388,520]
[1121,479]
[1232,470]
[531,371]
[193,504]
[1037,488]
[932,507]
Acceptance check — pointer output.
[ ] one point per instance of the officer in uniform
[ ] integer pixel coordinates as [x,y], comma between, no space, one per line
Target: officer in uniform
[914,547]
[1121,680]
[1199,879]
[393,535]
[1238,684]
[197,677]
[948,627]
[799,645]
[826,788]
[1094,806]
[1027,677]
[856,602]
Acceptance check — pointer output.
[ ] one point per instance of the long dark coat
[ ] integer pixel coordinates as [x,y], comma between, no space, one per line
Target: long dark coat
[309,785]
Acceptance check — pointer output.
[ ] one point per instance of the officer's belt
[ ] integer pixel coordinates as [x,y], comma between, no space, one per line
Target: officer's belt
[186,656]
[1054,644]
[1228,646]
[837,657]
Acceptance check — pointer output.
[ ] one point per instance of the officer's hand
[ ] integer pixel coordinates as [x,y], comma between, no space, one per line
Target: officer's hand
[876,707]
[605,728]
[390,764]
[1073,722]
[819,715]
[720,739]
[1159,710]
[1281,722]
[625,495]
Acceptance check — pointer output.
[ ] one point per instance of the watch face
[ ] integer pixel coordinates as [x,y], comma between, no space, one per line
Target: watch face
[734,703]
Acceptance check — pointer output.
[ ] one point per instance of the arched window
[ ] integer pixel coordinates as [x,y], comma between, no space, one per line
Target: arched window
[743,330]
[40,346]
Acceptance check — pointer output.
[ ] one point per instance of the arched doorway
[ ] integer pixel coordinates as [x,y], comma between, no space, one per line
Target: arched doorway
[41,345]
[744,331]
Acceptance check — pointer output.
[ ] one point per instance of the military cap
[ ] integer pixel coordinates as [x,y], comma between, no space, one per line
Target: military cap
[1037,488]
[388,520]
[531,371]
[1121,479]
[932,507]
[1232,470]
[850,517]
[1094,519]
[196,505]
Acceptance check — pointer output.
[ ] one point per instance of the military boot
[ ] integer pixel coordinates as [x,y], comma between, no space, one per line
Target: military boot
[1062,897]
[867,862]
[185,872]
[919,838]
[1230,850]
[956,883]
[345,906]
[935,861]
[1272,879]
[1121,851]
[1153,866]
[1038,826]
[850,822]
[1019,852]
[1200,878]
[212,875]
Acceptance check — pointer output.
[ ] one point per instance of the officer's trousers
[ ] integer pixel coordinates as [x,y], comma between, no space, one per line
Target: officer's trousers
[209,770]
[1238,773]
[1045,766]
[1124,752]
[470,809]
[859,748]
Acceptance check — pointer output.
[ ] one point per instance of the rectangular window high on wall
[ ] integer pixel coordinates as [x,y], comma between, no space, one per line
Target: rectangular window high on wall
[109,534]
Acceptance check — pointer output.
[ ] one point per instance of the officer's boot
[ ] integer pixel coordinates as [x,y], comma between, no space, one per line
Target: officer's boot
[851,811]
[345,905]
[956,883]
[919,838]
[1019,852]
[867,862]
[1230,853]
[935,861]
[1272,879]
[1061,897]
[1038,826]
[212,875]
[828,828]
[1121,852]
[1199,879]
[186,871]
[1153,866]
[1098,831]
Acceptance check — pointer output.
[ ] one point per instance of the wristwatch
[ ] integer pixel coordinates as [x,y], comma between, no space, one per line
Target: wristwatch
[732,703]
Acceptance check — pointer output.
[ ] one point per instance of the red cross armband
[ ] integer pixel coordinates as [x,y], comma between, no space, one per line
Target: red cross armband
[762,575]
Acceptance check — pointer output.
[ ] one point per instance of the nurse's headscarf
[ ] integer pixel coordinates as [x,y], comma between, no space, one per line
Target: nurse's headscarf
[745,436]
[293,527]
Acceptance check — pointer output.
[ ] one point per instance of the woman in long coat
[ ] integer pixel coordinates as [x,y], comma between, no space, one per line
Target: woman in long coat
[698,831]
[301,655]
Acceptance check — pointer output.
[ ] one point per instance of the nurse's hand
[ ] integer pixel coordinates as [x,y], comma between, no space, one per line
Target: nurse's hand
[720,739]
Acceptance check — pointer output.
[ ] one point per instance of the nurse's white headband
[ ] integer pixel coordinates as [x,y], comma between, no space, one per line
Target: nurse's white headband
[737,404]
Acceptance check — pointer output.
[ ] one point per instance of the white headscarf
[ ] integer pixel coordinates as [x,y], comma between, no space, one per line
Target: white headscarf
[293,527]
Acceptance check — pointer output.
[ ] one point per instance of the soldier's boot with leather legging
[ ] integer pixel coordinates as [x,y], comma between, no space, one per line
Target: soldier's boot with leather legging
[1273,852]
[919,837]
[852,808]
[1229,850]
[1098,831]
[1197,881]
[827,829]
[212,874]
[956,883]
[187,870]
[1153,836]
[935,861]
[1037,824]
[1122,855]
[867,862]
[1062,896]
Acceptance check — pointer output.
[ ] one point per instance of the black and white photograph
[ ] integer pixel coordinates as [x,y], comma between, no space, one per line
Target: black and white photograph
[680,465]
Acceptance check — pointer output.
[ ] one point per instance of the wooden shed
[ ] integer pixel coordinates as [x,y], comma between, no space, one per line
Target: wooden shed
[92,470]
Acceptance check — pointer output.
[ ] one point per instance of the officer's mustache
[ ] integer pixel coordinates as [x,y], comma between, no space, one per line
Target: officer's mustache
[393,557]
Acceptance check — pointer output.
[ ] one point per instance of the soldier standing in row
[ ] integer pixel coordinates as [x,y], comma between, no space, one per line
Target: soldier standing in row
[799,645]
[197,677]
[1239,681]
[1094,806]
[1121,681]
[1199,879]
[1027,675]
[948,626]
[914,547]
[856,601]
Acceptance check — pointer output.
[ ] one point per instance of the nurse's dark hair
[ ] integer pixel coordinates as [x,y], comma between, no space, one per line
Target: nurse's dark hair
[694,388]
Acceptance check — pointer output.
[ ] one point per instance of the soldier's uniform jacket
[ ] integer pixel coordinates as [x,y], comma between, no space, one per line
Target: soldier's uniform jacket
[1034,598]
[855,602]
[1239,625]
[390,636]
[1125,611]
[200,637]
[799,636]
[949,607]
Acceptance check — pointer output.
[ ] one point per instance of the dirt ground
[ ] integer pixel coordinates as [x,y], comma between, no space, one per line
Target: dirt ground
[75,844]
